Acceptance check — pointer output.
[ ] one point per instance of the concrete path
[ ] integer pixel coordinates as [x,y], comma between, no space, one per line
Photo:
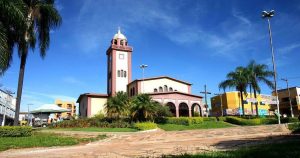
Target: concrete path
[156,143]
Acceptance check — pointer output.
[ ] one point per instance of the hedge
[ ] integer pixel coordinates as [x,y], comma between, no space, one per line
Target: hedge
[209,119]
[145,125]
[295,127]
[251,121]
[15,131]
[184,120]
[91,122]
[289,120]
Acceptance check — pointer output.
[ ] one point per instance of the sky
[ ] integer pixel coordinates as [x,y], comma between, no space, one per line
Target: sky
[191,40]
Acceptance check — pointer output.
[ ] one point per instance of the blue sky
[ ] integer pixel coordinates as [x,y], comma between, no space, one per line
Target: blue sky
[195,41]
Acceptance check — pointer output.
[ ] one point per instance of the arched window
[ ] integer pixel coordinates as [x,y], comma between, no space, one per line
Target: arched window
[160,89]
[115,41]
[171,89]
[155,90]
[165,88]
[122,42]
[125,74]
[121,73]
[126,43]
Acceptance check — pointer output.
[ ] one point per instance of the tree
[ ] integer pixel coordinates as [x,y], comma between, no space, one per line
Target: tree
[237,79]
[40,17]
[143,108]
[259,73]
[11,26]
[117,105]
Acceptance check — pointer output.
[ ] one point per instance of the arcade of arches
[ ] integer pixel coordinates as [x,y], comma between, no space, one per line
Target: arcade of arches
[184,110]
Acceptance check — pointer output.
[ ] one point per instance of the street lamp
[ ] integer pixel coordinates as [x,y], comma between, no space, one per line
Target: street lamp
[287,87]
[143,66]
[268,15]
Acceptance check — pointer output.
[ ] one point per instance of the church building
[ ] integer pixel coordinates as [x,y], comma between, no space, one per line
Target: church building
[164,89]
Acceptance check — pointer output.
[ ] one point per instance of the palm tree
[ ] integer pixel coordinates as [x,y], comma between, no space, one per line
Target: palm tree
[259,73]
[237,79]
[144,108]
[11,25]
[117,105]
[40,17]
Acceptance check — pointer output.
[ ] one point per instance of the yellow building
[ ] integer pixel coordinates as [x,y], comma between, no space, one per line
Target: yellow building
[284,102]
[231,104]
[68,105]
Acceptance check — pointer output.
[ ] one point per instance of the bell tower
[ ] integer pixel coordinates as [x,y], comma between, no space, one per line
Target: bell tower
[118,64]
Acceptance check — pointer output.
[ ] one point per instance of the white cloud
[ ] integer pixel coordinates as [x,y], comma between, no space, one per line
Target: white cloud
[72,80]
[289,48]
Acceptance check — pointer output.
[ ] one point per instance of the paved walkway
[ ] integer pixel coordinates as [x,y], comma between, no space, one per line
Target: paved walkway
[156,143]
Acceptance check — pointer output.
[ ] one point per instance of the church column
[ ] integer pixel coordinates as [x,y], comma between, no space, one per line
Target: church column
[190,108]
[177,108]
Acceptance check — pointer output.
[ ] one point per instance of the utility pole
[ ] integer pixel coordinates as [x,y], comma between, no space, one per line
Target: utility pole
[220,94]
[143,66]
[287,87]
[205,95]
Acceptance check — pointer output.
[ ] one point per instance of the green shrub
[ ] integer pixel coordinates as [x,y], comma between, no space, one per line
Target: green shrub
[184,120]
[145,126]
[251,121]
[15,131]
[196,114]
[241,121]
[91,122]
[295,127]
[289,120]
[209,119]
[222,118]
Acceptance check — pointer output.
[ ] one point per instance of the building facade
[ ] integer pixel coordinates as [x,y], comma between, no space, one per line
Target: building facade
[7,107]
[166,90]
[230,103]
[68,105]
[284,102]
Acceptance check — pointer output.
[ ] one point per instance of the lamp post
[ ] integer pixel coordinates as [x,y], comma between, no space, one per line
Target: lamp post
[143,66]
[268,15]
[287,87]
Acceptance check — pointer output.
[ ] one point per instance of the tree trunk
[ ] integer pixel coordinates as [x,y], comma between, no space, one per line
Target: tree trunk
[256,104]
[242,101]
[20,86]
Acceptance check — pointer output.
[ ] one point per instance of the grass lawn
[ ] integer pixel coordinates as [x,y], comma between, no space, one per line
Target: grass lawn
[42,140]
[280,150]
[95,129]
[204,125]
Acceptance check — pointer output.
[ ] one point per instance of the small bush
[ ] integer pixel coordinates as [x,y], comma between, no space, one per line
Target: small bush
[222,118]
[209,119]
[251,121]
[184,120]
[295,127]
[289,120]
[15,131]
[145,126]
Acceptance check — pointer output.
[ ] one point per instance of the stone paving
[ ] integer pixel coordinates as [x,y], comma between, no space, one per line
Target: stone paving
[156,143]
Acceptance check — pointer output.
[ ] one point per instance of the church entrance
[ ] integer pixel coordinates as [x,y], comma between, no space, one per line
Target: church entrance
[183,110]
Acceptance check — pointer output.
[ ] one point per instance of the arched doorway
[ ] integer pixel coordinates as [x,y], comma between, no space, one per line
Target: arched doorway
[183,110]
[172,108]
[196,110]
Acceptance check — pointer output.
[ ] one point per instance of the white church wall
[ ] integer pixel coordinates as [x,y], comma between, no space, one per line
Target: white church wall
[149,85]
[97,105]
[121,64]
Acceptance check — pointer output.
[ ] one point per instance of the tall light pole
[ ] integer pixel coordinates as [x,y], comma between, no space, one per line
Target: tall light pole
[205,94]
[287,87]
[143,66]
[268,15]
